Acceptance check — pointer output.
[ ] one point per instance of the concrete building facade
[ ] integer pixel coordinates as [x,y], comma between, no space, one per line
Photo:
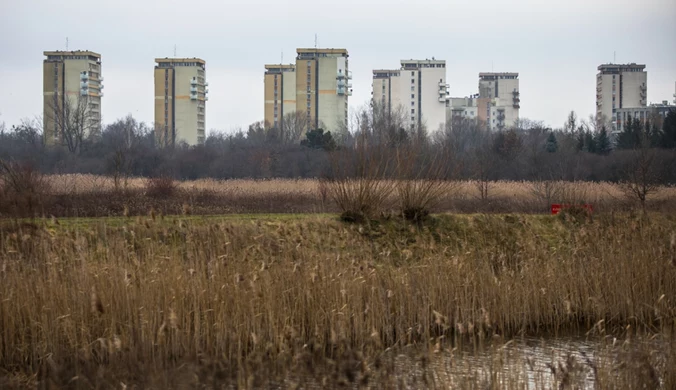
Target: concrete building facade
[72,85]
[497,104]
[619,86]
[417,88]
[499,99]
[180,101]
[655,112]
[323,85]
[280,93]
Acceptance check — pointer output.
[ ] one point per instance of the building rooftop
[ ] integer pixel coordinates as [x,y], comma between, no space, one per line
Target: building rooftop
[323,51]
[493,74]
[618,67]
[425,61]
[175,60]
[385,73]
[72,53]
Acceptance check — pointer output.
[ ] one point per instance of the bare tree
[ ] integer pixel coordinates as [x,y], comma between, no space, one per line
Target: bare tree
[71,121]
[641,175]
[292,127]
[124,136]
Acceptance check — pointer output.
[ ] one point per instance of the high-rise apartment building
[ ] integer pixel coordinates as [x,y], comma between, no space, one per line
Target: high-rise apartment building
[323,85]
[497,104]
[619,86]
[72,92]
[418,89]
[280,93]
[180,101]
[499,99]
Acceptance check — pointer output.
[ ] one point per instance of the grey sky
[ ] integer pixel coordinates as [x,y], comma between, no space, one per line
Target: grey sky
[555,47]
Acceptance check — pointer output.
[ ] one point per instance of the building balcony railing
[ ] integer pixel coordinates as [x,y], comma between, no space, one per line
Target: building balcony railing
[516,105]
[515,93]
[516,100]
[193,88]
[193,81]
[84,76]
[501,117]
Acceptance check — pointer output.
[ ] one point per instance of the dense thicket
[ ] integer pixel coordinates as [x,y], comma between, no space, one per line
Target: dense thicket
[528,151]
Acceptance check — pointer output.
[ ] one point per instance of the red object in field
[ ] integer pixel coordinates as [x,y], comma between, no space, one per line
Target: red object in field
[556,208]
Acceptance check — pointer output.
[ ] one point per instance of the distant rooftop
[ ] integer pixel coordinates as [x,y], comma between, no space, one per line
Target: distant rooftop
[179,60]
[279,68]
[493,74]
[321,51]
[610,68]
[385,73]
[72,53]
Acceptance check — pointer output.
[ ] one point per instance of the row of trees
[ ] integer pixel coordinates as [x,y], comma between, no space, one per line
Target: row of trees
[581,150]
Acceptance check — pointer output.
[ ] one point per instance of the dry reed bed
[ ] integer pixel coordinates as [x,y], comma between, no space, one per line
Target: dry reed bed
[153,291]
[503,195]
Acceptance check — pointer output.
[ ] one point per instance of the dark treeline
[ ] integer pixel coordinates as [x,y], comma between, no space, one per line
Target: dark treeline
[581,150]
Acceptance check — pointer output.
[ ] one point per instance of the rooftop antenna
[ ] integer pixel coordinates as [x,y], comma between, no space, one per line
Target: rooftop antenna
[492,69]
[66,43]
[315,41]
[282,61]
[614,57]
[174,50]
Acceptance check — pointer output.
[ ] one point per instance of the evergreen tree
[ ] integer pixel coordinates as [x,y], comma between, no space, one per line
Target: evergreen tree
[552,145]
[602,141]
[589,142]
[318,139]
[579,139]
[668,135]
[630,137]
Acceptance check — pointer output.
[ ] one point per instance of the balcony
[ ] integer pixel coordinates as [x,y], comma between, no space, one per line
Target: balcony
[516,100]
[442,99]
[516,105]
[100,78]
[193,89]
[501,117]
[206,83]
[349,75]
[515,93]
[340,90]
[84,76]
[349,92]
[193,81]
[84,92]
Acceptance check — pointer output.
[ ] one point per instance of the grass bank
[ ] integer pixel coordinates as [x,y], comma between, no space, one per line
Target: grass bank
[237,296]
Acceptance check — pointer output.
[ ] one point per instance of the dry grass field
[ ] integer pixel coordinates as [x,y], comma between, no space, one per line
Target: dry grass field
[96,196]
[310,302]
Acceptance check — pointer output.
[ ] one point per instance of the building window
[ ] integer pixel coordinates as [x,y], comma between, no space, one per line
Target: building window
[412,110]
[412,81]
[412,73]
[412,96]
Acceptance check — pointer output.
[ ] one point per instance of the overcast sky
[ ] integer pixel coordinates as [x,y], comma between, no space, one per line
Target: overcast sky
[555,46]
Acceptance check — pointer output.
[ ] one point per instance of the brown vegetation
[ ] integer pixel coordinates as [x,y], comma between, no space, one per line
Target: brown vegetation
[96,196]
[189,302]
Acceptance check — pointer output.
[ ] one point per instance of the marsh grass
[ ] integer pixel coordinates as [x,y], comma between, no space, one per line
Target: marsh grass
[177,302]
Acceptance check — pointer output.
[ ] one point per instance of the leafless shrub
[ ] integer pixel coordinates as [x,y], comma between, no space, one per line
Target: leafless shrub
[357,182]
[641,177]
[23,189]
[162,187]
[546,191]
[423,180]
